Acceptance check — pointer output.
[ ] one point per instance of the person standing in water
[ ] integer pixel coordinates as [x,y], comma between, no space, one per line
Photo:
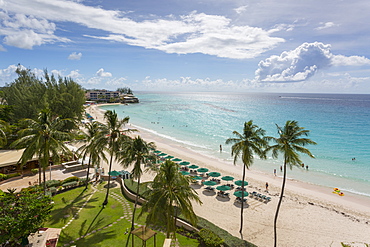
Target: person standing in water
[220,148]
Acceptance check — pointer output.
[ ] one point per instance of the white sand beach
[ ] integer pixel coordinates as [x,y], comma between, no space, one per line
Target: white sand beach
[310,215]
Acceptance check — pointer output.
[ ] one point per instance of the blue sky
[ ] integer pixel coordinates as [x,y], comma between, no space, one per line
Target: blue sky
[207,45]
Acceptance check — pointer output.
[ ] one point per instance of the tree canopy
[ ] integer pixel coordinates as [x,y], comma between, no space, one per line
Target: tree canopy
[28,95]
[22,213]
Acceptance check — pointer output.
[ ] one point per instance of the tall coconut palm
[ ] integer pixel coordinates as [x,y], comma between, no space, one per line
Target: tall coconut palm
[136,152]
[170,194]
[112,136]
[290,142]
[91,148]
[251,141]
[43,138]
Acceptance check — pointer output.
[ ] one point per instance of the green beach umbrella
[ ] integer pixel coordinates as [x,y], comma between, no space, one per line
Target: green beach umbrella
[114,173]
[223,187]
[214,174]
[157,152]
[185,173]
[240,193]
[184,163]
[162,154]
[240,183]
[209,183]
[169,157]
[193,167]
[159,161]
[197,178]
[227,178]
[202,170]
[176,159]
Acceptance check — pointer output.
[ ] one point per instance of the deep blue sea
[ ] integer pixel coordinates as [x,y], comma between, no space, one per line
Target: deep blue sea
[340,124]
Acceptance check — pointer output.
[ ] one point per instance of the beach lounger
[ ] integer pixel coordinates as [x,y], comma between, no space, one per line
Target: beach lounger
[268,199]
[254,193]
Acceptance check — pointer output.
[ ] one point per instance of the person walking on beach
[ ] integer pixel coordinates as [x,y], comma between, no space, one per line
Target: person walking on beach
[281,168]
[275,172]
[267,186]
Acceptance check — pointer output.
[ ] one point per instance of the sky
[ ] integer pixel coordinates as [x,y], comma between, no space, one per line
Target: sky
[289,46]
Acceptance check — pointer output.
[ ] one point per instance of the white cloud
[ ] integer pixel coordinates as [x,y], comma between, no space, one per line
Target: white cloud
[75,56]
[102,73]
[340,60]
[194,33]
[326,25]
[74,74]
[25,32]
[7,75]
[2,48]
[302,63]
[241,9]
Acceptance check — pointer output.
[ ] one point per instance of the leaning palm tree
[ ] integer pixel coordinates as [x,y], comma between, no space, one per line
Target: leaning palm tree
[291,140]
[246,144]
[170,194]
[112,136]
[91,148]
[43,138]
[136,152]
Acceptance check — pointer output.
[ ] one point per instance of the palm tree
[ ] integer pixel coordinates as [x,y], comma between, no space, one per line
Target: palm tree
[137,152]
[3,126]
[246,144]
[170,194]
[43,138]
[90,148]
[112,136]
[289,143]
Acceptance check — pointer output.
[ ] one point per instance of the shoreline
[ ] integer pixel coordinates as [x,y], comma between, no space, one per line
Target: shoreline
[344,218]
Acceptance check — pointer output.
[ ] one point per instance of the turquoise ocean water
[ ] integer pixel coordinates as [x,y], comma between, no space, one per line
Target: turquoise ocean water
[340,124]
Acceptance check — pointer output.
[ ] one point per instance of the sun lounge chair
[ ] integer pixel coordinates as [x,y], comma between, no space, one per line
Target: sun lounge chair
[254,193]
[263,197]
[268,199]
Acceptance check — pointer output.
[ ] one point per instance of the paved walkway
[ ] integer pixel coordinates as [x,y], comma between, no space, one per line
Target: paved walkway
[25,181]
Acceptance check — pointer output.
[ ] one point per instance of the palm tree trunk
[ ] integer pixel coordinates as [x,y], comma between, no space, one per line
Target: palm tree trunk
[279,203]
[242,208]
[136,200]
[110,168]
[44,184]
[88,171]
[40,174]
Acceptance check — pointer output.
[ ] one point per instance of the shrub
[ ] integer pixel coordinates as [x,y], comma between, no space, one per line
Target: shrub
[229,240]
[35,171]
[13,175]
[52,183]
[209,239]
[70,179]
[3,176]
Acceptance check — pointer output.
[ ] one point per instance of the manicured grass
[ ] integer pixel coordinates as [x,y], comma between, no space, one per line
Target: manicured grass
[97,224]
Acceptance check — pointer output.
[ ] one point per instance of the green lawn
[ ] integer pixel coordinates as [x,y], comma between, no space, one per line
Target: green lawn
[95,225]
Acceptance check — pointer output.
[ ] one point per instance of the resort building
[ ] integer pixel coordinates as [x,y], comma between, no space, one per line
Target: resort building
[103,95]
[110,96]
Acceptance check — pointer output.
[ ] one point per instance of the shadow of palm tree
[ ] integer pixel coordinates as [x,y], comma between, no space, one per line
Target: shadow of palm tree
[92,222]
[71,208]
